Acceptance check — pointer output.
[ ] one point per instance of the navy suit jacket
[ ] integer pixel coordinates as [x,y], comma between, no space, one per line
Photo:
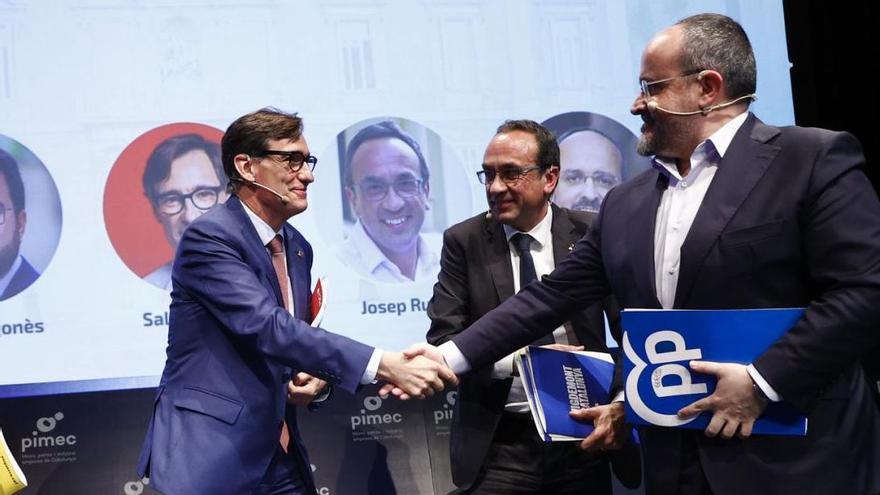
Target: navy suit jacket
[475,277]
[232,348]
[789,220]
[23,278]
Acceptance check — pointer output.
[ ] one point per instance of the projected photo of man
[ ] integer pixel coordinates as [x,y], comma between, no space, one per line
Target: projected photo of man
[182,180]
[16,273]
[596,154]
[386,180]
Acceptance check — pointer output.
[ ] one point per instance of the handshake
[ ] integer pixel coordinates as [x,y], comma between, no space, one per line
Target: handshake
[417,372]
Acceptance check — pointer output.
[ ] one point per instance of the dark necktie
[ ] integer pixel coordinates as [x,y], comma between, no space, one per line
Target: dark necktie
[276,249]
[523,243]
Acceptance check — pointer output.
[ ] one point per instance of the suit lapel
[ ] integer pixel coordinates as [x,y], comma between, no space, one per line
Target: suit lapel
[256,247]
[563,233]
[641,223]
[745,162]
[498,259]
[298,273]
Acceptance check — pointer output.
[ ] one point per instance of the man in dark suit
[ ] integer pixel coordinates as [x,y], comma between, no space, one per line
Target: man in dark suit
[238,348]
[16,273]
[494,446]
[736,214]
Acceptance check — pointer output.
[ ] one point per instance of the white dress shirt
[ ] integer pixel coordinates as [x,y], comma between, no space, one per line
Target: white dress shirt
[360,253]
[541,249]
[266,233]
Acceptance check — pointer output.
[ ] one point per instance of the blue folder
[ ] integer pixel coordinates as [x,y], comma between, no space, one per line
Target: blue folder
[659,344]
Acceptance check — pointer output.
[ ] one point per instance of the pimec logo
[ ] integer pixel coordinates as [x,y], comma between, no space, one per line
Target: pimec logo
[43,437]
[371,415]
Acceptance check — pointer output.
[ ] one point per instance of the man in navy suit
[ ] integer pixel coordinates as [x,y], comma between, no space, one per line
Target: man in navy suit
[735,214]
[16,274]
[238,348]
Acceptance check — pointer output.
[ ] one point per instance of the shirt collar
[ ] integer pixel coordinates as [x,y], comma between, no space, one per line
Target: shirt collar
[714,145]
[264,231]
[540,232]
[373,258]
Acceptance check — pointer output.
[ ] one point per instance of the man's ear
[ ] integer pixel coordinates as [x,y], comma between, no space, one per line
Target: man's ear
[245,167]
[21,222]
[551,179]
[711,88]
[350,196]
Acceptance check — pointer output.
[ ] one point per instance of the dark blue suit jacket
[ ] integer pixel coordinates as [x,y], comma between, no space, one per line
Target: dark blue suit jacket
[23,278]
[232,348]
[789,220]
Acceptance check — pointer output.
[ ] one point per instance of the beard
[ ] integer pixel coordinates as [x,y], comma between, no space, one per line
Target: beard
[666,136]
[8,253]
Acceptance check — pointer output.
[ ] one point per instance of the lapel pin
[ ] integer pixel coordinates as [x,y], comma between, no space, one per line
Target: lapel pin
[300,253]
[571,246]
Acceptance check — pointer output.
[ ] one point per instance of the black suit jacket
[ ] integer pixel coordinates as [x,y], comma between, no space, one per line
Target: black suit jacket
[789,220]
[475,277]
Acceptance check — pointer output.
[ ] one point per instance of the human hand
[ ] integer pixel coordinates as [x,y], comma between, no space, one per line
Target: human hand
[424,349]
[609,426]
[564,347]
[417,377]
[734,404]
[303,388]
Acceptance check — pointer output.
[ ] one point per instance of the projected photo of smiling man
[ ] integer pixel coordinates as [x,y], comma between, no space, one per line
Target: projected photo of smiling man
[386,183]
[183,179]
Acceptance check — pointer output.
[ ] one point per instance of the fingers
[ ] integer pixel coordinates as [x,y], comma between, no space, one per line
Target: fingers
[564,347]
[386,389]
[696,408]
[745,429]
[585,415]
[448,376]
[706,367]
[301,379]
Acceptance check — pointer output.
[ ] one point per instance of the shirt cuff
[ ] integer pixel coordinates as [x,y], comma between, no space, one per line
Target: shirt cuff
[454,358]
[372,367]
[619,397]
[324,394]
[762,384]
[503,368]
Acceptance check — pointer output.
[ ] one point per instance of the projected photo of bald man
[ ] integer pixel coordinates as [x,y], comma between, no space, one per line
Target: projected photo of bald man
[386,180]
[596,154]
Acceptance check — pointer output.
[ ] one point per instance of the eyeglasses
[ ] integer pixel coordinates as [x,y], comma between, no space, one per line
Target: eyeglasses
[293,159]
[3,210]
[600,179]
[375,190]
[173,203]
[646,85]
[508,175]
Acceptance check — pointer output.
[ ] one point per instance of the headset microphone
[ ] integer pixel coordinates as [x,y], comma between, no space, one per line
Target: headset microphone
[261,186]
[654,106]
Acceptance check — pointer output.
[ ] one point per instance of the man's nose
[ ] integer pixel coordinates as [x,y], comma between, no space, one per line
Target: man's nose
[392,200]
[190,212]
[639,105]
[497,185]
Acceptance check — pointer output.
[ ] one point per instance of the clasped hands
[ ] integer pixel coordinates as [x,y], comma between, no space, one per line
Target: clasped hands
[417,372]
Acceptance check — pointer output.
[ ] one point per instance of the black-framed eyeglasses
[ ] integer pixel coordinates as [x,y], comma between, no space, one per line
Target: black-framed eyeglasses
[376,190]
[599,178]
[203,198]
[3,210]
[646,85]
[508,175]
[293,159]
